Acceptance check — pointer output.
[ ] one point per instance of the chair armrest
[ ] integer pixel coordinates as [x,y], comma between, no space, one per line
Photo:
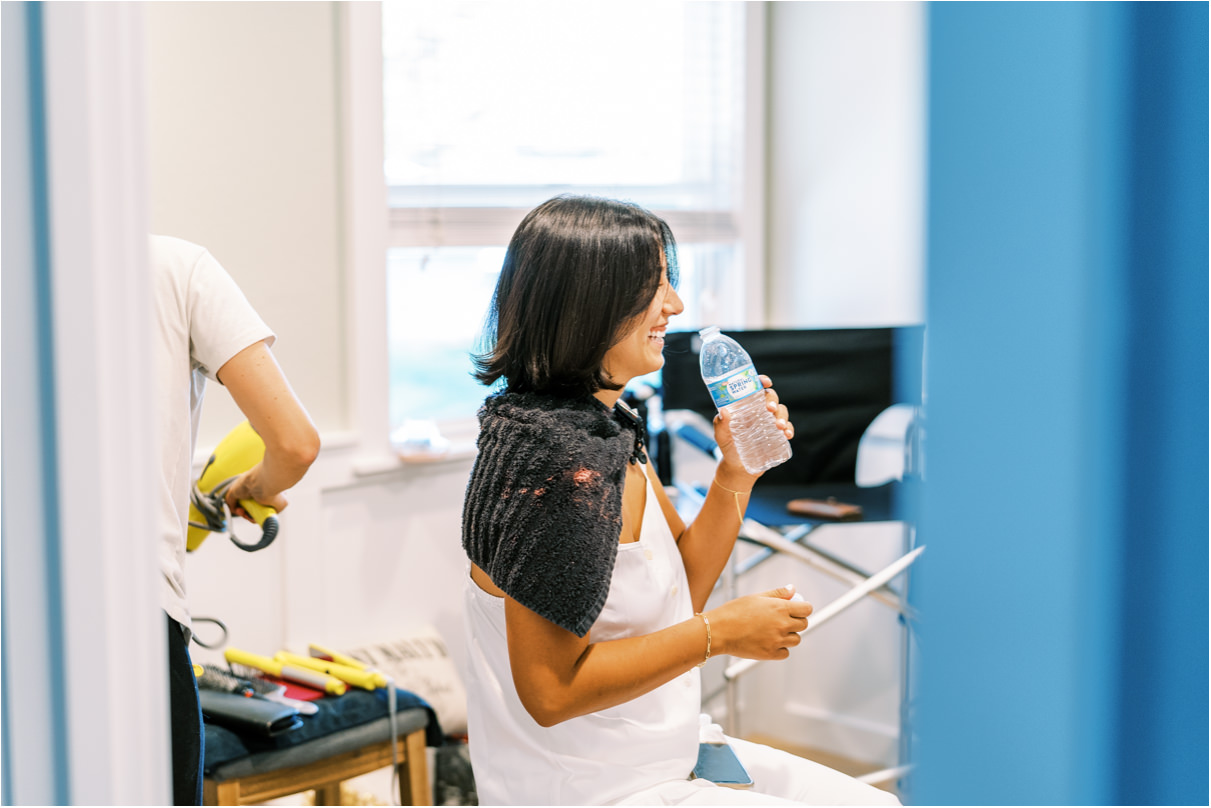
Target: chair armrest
[696,438]
[694,429]
[756,533]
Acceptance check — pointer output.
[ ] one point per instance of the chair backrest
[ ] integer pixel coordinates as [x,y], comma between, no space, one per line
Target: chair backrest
[834,381]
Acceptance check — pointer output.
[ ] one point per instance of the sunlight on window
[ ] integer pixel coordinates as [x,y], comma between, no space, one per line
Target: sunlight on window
[494,107]
[535,93]
[437,300]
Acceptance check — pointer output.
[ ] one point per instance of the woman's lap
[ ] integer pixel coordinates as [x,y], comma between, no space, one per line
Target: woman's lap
[804,781]
[779,778]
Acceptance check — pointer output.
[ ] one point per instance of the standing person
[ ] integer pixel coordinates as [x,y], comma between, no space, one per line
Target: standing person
[206,329]
[586,589]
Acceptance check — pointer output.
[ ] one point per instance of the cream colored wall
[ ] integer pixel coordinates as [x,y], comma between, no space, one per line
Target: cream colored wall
[844,248]
[845,221]
[244,159]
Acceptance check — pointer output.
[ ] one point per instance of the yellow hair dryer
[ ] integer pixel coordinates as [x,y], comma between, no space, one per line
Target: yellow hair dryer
[239,451]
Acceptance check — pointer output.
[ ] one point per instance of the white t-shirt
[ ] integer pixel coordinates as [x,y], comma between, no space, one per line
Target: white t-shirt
[604,756]
[202,320]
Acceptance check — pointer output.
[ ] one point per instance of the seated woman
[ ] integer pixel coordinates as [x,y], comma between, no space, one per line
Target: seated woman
[584,604]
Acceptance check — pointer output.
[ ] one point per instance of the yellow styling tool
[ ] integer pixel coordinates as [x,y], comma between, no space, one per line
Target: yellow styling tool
[282,670]
[239,451]
[320,652]
[368,680]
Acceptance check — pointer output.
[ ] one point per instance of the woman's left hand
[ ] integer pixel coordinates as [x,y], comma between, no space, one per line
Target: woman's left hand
[247,486]
[723,430]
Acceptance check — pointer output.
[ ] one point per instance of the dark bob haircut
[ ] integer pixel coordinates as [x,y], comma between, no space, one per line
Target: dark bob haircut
[577,271]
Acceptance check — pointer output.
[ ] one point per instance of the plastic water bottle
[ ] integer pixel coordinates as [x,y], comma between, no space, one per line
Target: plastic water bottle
[733,383]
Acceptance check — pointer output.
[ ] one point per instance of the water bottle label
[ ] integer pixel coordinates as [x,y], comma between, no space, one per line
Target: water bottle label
[741,384]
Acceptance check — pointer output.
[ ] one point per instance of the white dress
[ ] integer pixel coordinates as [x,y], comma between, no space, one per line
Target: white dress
[600,757]
[642,751]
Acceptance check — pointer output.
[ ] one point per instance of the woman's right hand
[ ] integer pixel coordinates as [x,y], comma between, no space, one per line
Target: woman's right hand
[723,435]
[762,626]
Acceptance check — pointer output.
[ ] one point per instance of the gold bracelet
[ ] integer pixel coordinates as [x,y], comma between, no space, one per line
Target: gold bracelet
[735,494]
[708,638]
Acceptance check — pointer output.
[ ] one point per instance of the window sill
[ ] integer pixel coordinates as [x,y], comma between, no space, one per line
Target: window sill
[455,453]
[398,461]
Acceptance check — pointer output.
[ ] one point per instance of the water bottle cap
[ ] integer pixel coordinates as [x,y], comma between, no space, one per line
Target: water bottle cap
[709,331]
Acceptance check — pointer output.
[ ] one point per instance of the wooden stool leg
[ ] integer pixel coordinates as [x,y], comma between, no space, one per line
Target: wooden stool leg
[414,772]
[220,793]
[328,794]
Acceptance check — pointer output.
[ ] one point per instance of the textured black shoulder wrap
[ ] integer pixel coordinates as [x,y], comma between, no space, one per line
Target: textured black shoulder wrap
[543,510]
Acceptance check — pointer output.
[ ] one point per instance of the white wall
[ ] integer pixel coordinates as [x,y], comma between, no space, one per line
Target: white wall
[845,248]
[245,137]
[845,195]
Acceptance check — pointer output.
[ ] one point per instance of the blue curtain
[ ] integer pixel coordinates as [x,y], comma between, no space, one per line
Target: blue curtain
[1064,592]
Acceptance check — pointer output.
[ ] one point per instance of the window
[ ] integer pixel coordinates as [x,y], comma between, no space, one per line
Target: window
[491,108]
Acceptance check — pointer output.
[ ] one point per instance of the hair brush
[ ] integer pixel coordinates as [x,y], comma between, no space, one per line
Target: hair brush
[215,678]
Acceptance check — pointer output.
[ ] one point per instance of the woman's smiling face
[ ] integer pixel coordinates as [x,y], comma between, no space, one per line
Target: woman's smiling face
[641,349]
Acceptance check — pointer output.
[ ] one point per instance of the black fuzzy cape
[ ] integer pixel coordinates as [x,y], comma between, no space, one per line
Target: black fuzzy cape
[543,510]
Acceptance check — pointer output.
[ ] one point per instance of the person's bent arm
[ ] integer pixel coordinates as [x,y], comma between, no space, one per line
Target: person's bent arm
[261,391]
[560,676]
[706,545]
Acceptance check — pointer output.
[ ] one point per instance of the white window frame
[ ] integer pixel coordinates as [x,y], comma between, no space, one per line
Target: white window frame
[373,226]
[366,228]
